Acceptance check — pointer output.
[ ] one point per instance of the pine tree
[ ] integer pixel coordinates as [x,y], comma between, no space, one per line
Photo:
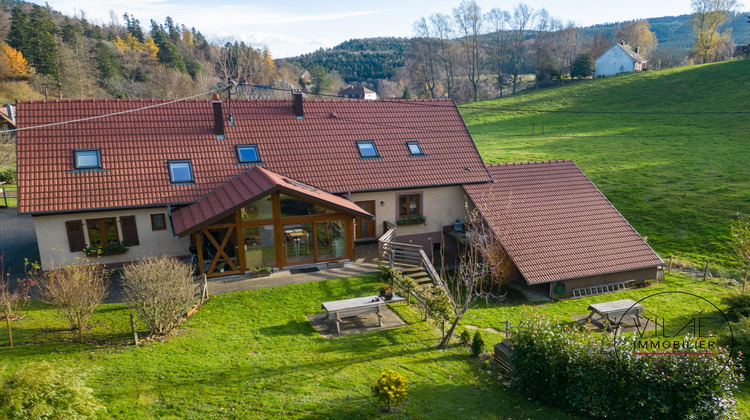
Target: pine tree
[407,93]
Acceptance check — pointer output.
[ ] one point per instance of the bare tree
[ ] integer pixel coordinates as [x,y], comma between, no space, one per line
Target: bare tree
[470,23]
[424,50]
[601,41]
[497,43]
[544,28]
[520,23]
[638,35]
[443,27]
[708,18]
[7,149]
[483,265]
[75,290]
[10,300]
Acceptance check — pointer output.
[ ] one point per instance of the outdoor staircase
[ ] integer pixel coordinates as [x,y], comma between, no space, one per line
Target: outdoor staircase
[418,273]
[410,259]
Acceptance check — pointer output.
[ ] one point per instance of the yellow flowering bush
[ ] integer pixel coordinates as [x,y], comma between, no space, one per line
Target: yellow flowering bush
[390,389]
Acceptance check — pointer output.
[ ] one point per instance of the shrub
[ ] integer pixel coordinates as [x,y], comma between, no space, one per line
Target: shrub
[390,390]
[465,338]
[160,291]
[741,332]
[477,344]
[578,371]
[102,250]
[8,175]
[75,290]
[738,304]
[40,391]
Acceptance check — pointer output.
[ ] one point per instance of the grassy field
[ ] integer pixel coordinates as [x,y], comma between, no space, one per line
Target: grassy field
[650,141]
[255,354]
[12,202]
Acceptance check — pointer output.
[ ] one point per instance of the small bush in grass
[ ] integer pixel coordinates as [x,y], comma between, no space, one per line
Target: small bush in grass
[741,333]
[738,304]
[160,291]
[390,390]
[75,290]
[465,338]
[477,343]
[40,391]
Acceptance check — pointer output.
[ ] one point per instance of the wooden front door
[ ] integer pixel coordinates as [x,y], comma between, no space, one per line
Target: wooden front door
[366,227]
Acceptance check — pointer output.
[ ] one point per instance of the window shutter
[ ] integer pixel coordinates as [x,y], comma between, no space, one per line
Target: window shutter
[75,235]
[129,230]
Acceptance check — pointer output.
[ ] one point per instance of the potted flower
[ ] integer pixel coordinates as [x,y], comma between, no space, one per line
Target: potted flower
[220,267]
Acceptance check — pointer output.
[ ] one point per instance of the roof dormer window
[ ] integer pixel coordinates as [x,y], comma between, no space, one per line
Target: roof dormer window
[367,149]
[87,159]
[414,148]
[247,153]
[180,171]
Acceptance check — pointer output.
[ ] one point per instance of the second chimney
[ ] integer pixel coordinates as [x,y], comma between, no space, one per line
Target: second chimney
[218,116]
[298,110]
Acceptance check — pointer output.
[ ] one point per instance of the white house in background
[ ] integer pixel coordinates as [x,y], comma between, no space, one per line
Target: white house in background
[621,58]
[358,92]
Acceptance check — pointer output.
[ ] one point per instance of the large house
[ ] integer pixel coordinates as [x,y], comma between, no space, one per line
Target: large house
[283,183]
[621,58]
[358,92]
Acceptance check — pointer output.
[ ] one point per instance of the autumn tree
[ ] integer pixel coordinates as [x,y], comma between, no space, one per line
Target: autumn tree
[544,29]
[708,18]
[33,36]
[601,40]
[470,23]
[639,36]
[15,65]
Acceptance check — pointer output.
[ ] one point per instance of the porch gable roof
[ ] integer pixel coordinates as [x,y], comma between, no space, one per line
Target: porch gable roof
[253,184]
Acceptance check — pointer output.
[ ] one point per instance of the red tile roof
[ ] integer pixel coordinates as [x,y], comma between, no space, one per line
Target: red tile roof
[252,184]
[556,225]
[319,150]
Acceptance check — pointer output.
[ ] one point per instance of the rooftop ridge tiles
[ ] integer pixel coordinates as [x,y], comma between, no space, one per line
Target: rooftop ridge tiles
[531,162]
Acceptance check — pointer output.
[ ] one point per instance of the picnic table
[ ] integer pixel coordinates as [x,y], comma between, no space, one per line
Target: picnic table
[346,308]
[614,311]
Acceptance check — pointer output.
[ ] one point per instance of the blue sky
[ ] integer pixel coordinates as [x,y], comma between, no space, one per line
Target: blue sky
[291,27]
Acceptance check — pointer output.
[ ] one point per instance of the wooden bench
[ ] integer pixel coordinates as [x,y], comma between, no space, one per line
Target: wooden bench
[346,308]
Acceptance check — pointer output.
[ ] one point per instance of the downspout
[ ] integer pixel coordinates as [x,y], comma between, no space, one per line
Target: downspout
[171,226]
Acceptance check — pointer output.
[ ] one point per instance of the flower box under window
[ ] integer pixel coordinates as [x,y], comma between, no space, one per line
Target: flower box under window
[411,220]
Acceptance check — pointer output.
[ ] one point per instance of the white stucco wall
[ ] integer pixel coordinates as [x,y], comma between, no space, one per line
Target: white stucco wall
[440,205]
[53,238]
[614,61]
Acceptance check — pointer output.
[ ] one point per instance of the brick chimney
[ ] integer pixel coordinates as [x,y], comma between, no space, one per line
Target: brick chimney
[637,50]
[218,116]
[297,104]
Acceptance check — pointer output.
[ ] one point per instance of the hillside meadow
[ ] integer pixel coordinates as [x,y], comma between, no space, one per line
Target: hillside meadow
[668,148]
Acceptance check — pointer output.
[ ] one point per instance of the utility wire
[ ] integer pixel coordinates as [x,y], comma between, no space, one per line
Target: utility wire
[541,111]
[128,111]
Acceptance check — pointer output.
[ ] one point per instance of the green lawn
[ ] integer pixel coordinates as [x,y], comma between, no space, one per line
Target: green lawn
[12,202]
[254,354]
[678,177]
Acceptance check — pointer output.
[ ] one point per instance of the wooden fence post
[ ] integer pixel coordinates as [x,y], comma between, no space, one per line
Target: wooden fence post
[132,327]
[669,267]
[705,271]
[745,281]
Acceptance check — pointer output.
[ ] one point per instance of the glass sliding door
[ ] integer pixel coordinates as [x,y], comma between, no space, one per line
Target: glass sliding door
[330,240]
[298,243]
[259,246]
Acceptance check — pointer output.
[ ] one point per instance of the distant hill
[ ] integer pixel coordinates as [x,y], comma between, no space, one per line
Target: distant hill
[359,59]
[378,58]
[677,31]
